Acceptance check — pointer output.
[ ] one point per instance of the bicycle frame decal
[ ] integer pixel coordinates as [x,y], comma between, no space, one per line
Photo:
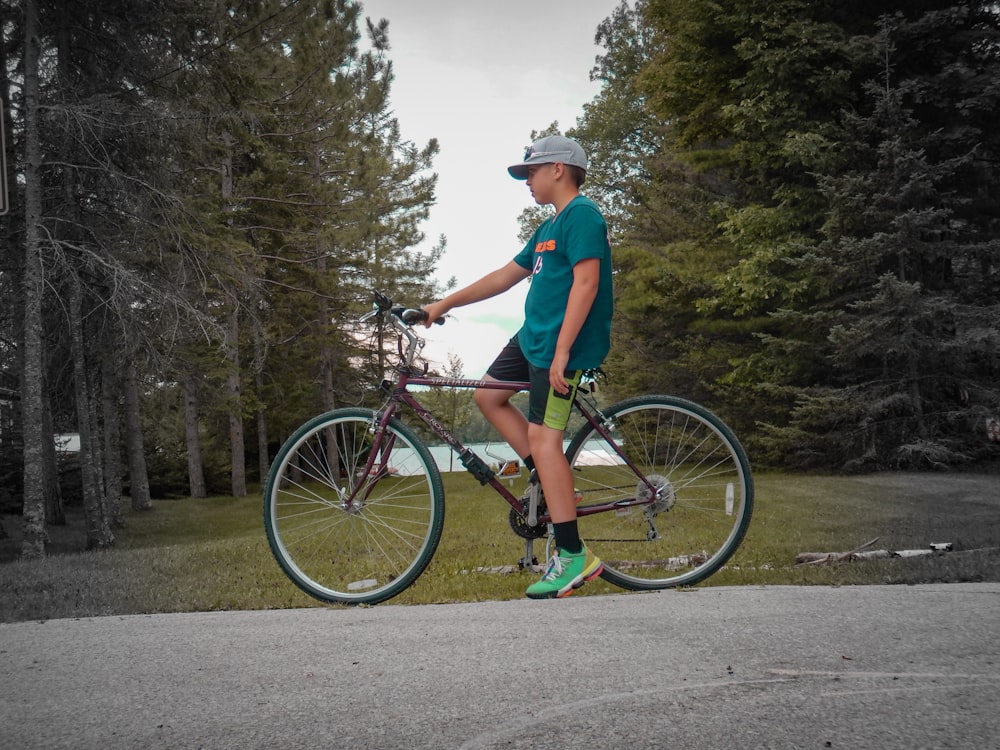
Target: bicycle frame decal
[493,385]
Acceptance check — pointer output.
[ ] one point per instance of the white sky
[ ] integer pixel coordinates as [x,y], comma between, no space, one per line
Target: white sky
[480,76]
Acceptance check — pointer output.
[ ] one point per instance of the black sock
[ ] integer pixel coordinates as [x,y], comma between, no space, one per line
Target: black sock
[568,537]
[530,463]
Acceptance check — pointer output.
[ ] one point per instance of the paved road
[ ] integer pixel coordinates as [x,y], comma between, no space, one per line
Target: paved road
[762,667]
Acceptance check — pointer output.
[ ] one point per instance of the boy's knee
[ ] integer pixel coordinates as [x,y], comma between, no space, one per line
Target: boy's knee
[482,398]
[544,439]
[488,400]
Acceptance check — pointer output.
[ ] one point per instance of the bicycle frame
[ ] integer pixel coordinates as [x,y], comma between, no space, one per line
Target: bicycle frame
[399,394]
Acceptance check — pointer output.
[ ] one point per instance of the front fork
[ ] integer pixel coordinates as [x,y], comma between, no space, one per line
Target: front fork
[376,465]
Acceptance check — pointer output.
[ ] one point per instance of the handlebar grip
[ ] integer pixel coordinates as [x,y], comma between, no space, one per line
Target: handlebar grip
[411,316]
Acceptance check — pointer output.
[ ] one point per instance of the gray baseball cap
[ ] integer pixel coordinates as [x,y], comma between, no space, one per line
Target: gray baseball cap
[548,150]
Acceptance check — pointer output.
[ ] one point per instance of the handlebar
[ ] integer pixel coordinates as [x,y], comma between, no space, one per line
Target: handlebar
[409,315]
[402,319]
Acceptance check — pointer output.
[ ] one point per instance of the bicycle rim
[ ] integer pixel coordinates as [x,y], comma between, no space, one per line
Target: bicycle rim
[700,504]
[343,534]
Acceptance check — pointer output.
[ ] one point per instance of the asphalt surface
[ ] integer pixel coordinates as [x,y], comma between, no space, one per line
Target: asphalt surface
[748,667]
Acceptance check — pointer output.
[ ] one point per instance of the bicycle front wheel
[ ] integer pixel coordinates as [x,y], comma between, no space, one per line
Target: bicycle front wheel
[344,532]
[683,505]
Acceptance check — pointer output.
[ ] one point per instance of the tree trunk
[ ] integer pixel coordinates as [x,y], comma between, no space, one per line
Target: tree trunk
[99,534]
[33,544]
[233,385]
[260,414]
[110,392]
[263,452]
[192,438]
[329,403]
[327,393]
[55,514]
[233,388]
[916,397]
[138,478]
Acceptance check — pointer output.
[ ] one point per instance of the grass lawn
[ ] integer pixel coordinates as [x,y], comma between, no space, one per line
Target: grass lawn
[198,555]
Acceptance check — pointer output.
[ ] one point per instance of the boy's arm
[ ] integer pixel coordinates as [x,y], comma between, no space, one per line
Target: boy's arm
[490,285]
[586,279]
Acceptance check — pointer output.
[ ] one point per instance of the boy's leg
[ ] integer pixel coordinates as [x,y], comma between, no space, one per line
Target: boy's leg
[507,418]
[548,415]
[495,405]
[546,446]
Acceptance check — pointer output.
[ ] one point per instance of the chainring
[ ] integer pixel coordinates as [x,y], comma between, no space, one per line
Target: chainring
[520,526]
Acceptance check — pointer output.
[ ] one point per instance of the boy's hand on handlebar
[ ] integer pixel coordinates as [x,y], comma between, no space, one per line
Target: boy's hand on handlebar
[435,314]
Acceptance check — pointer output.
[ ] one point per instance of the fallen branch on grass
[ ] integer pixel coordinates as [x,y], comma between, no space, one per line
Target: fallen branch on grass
[830,558]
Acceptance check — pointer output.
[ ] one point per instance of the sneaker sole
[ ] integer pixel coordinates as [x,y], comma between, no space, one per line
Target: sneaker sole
[572,586]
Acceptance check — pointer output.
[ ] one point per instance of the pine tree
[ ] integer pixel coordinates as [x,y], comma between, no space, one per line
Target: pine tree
[364,190]
[751,104]
[900,270]
[301,197]
[666,250]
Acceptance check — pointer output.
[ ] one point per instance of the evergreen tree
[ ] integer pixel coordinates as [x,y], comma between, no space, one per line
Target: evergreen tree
[666,250]
[359,192]
[301,196]
[211,183]
[911,340]
[752,104]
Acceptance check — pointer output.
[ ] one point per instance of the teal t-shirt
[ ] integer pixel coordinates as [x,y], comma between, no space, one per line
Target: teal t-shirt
[578,232]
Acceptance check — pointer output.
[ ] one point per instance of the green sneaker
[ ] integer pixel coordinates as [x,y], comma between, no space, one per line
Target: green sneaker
[565,573]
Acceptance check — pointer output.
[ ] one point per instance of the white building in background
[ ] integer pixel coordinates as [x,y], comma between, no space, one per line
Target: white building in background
[68,442]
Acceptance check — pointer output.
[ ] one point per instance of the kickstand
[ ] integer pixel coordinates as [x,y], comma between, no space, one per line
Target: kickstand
[529,558]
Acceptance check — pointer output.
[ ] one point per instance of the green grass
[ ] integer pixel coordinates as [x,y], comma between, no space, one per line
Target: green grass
[203,555]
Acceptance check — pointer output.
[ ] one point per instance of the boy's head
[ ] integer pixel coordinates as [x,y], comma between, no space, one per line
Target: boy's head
[550,150]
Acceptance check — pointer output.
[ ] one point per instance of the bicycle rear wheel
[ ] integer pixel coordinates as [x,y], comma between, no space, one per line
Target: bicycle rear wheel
[343,534]
[697,516]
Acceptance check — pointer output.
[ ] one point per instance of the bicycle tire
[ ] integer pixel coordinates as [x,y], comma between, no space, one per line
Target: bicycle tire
[346,538]
[704,497]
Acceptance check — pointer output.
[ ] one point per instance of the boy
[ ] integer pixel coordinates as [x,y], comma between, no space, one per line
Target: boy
[566,331]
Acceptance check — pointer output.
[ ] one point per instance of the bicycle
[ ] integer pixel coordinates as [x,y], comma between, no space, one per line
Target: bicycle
[354,504]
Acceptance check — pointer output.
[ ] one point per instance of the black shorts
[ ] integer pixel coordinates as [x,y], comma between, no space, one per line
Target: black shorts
[545,405]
